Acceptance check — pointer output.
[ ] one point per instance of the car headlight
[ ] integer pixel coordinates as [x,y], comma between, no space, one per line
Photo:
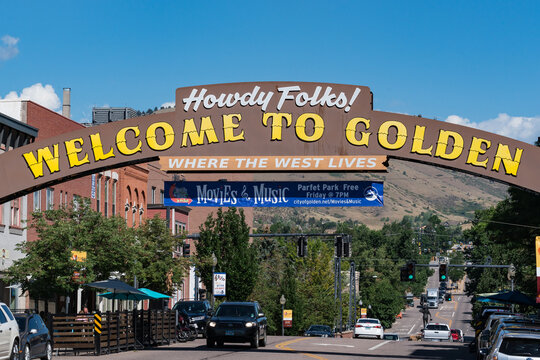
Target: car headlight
[212,324]
[250,324]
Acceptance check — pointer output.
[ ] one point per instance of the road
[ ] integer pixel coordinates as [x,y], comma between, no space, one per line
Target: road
[456,313]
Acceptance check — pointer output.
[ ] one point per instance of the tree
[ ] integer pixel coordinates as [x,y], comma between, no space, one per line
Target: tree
[155,266]
[506,233]
[227,236]
[47,267]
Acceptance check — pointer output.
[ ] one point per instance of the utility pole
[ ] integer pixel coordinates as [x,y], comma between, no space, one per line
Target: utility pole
[352,296]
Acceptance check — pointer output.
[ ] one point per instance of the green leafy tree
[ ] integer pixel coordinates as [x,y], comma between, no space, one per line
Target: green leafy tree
[227,236]
[155,266]
[47,267]
[506,233]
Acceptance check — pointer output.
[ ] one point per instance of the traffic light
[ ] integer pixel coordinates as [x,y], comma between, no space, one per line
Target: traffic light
[442,272]
[339,246]
[347,246]
[410,270]
[403,274]
[302,246]
[186,249]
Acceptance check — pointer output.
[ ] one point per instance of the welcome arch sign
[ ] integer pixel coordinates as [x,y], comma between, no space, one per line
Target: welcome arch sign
[269,126]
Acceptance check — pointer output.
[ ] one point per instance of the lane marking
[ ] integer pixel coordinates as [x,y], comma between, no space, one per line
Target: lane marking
[379,345]
[349,346]
[284,346]
[411,329]
[453,313]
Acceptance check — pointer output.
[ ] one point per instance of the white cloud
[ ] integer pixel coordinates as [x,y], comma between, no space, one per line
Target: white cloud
[522,128]
[168,105]
[43,95]
[9,48]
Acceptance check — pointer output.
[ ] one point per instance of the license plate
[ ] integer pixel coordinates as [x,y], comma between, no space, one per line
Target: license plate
[229,332]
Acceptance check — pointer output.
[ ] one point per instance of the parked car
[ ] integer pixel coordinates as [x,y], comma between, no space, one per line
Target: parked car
[319,330]
[35,337]
[368,327]
[514,346]
[198,311]
[237,322]
[9,334]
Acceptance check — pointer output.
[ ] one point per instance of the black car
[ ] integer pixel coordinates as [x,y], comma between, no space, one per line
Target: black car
[237,322]
[35,337]
[319,330]
[198,311]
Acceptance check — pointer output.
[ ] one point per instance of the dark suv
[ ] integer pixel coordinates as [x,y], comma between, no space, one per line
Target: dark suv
[198,311]
[237,322]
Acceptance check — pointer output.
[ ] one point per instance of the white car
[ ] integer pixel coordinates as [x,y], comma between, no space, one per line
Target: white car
[9,334]
[368,327]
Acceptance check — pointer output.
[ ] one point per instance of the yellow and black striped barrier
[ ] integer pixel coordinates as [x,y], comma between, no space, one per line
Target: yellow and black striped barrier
[97,323]
[97,333]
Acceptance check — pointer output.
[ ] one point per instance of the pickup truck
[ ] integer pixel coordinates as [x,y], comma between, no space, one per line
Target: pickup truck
[436,331]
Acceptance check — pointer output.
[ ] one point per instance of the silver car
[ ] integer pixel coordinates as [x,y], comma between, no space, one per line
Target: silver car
[9,334]
[515,346]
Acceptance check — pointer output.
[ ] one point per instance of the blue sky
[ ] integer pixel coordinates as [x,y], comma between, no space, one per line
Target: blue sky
[475,63]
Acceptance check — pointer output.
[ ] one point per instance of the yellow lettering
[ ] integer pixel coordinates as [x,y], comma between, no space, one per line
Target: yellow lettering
[228,128]
[196,138]
[442,144]
[418,141]
[121,143]
[350,132]
[476,150]
[503,155]
[277,123]
[43,155]
[72,150]
[318,127]
[168,133]
[401,135]
[97,148]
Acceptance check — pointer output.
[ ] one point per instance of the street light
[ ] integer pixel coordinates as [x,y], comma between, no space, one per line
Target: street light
[282,301]
[214,263]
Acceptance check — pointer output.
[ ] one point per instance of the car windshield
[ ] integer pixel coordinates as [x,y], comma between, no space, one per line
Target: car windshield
[369,321]
[520,347]
[191,307]
[236,311]
[21,321]
[319,328]
[437,327]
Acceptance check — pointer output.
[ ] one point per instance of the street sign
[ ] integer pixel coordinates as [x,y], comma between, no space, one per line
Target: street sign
[287,318]
[363,312]
[220,280]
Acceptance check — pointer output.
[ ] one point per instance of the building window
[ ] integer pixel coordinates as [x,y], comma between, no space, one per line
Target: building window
[66,199]
[77,201]
[179,228]
[37,200]
[15,212]
[106,202]
[60,201]
[50,198]
[141,212]
[153,194]
[162,196]
[98,194]
[134,208]
[127,207]
[114,197]
[1,213]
